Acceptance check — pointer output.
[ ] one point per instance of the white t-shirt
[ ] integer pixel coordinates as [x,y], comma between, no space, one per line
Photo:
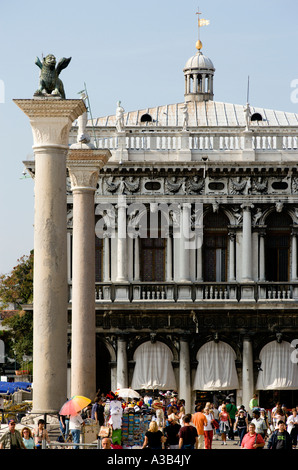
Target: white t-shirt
[291,421]
[75,422]
[209,425]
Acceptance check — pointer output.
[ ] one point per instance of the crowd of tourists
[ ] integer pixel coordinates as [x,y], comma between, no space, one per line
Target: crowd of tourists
[252,429]
[249,429]
[170,427]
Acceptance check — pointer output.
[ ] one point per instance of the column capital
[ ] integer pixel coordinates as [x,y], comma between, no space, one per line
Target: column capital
[51,119]
[84,166]
[247,206]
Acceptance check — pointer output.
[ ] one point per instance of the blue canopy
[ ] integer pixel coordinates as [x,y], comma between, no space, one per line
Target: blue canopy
[11,387]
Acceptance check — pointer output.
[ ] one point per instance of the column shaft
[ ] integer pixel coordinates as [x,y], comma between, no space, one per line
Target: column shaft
[294,257]
[121,243]
[184,243]
[184,375]
[83,371]
[50,289]
[246,244]
[247,373]
[122,375]
[262,257]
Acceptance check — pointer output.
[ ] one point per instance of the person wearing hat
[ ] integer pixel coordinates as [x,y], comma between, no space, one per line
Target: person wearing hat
[12,439]
[261,427]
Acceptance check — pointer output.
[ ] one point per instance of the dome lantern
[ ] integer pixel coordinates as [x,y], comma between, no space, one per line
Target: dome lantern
[199,72]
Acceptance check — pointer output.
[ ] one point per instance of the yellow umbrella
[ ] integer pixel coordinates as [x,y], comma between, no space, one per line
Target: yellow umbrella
[74,405]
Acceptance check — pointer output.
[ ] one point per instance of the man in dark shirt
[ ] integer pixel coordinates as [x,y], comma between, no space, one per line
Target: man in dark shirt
[188,434]
[172,433]
[280,439]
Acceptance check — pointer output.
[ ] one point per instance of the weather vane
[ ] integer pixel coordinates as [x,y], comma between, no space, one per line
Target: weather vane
[201,22]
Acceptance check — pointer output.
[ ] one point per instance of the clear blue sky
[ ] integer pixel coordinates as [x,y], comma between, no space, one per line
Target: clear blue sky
[134,52]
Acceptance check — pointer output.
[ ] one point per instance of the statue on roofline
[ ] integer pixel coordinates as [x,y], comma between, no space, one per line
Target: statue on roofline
[49,81]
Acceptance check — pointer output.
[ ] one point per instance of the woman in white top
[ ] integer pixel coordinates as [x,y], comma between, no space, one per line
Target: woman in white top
[75,423]
[292,427]
[208,429]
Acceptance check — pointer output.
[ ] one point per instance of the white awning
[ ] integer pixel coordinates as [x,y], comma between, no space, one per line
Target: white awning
[279,371]
[153,367]
[216,367]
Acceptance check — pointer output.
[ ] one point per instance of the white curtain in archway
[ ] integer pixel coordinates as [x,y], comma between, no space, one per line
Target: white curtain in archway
[279,371]
[153,367]
[216,367]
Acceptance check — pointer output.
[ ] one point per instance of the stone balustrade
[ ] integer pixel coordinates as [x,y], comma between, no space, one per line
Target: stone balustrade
[199,292]
[221,140]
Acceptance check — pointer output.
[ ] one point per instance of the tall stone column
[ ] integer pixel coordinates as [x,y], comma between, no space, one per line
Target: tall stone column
[136,270]
[232,237]
[246,243]
[184,374]
[184,288]
[83,166]
[122,374]
[51,119]
[185,233]
[294,256]
[247,372]
[262,255]
[121,241]
[169,265]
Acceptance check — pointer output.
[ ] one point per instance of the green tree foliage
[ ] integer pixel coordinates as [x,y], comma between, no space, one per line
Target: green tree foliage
[21,334]
[17,288]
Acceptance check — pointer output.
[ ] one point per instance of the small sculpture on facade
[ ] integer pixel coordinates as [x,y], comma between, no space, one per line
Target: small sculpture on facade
[119,117]
[123,185]
[185,117]
[279,206]
[260,185]
[195,185]
[173,184]
[257,216]
[49,81]
[240,187]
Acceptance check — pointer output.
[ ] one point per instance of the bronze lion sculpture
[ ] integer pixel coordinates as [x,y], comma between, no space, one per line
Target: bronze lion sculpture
[49,81]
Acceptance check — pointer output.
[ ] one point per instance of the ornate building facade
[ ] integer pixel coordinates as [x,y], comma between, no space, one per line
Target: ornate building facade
[195,247]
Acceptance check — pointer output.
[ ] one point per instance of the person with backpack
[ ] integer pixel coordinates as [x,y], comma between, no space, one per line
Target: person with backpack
[252,440]
[280,439]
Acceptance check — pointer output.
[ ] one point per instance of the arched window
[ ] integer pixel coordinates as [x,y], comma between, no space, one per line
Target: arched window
[278,247]
[215,247]
[216,367]
[146,118]
[278,370]
[256,117]
[153,367]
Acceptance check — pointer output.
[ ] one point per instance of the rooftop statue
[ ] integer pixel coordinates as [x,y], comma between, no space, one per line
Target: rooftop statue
[49,81]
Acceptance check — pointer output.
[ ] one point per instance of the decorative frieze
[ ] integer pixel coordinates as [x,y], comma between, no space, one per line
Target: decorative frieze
[196,185]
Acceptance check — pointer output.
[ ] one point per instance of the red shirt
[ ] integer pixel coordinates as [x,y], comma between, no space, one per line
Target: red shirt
[249,440]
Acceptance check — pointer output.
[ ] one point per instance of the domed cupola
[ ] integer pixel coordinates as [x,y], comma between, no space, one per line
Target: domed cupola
[199,71]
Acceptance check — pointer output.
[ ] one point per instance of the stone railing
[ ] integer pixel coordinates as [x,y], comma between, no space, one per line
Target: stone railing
[194,292]
[277,291]
[161,139]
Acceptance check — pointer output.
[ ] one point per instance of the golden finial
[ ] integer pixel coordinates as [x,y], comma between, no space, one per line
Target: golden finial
[201,22]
